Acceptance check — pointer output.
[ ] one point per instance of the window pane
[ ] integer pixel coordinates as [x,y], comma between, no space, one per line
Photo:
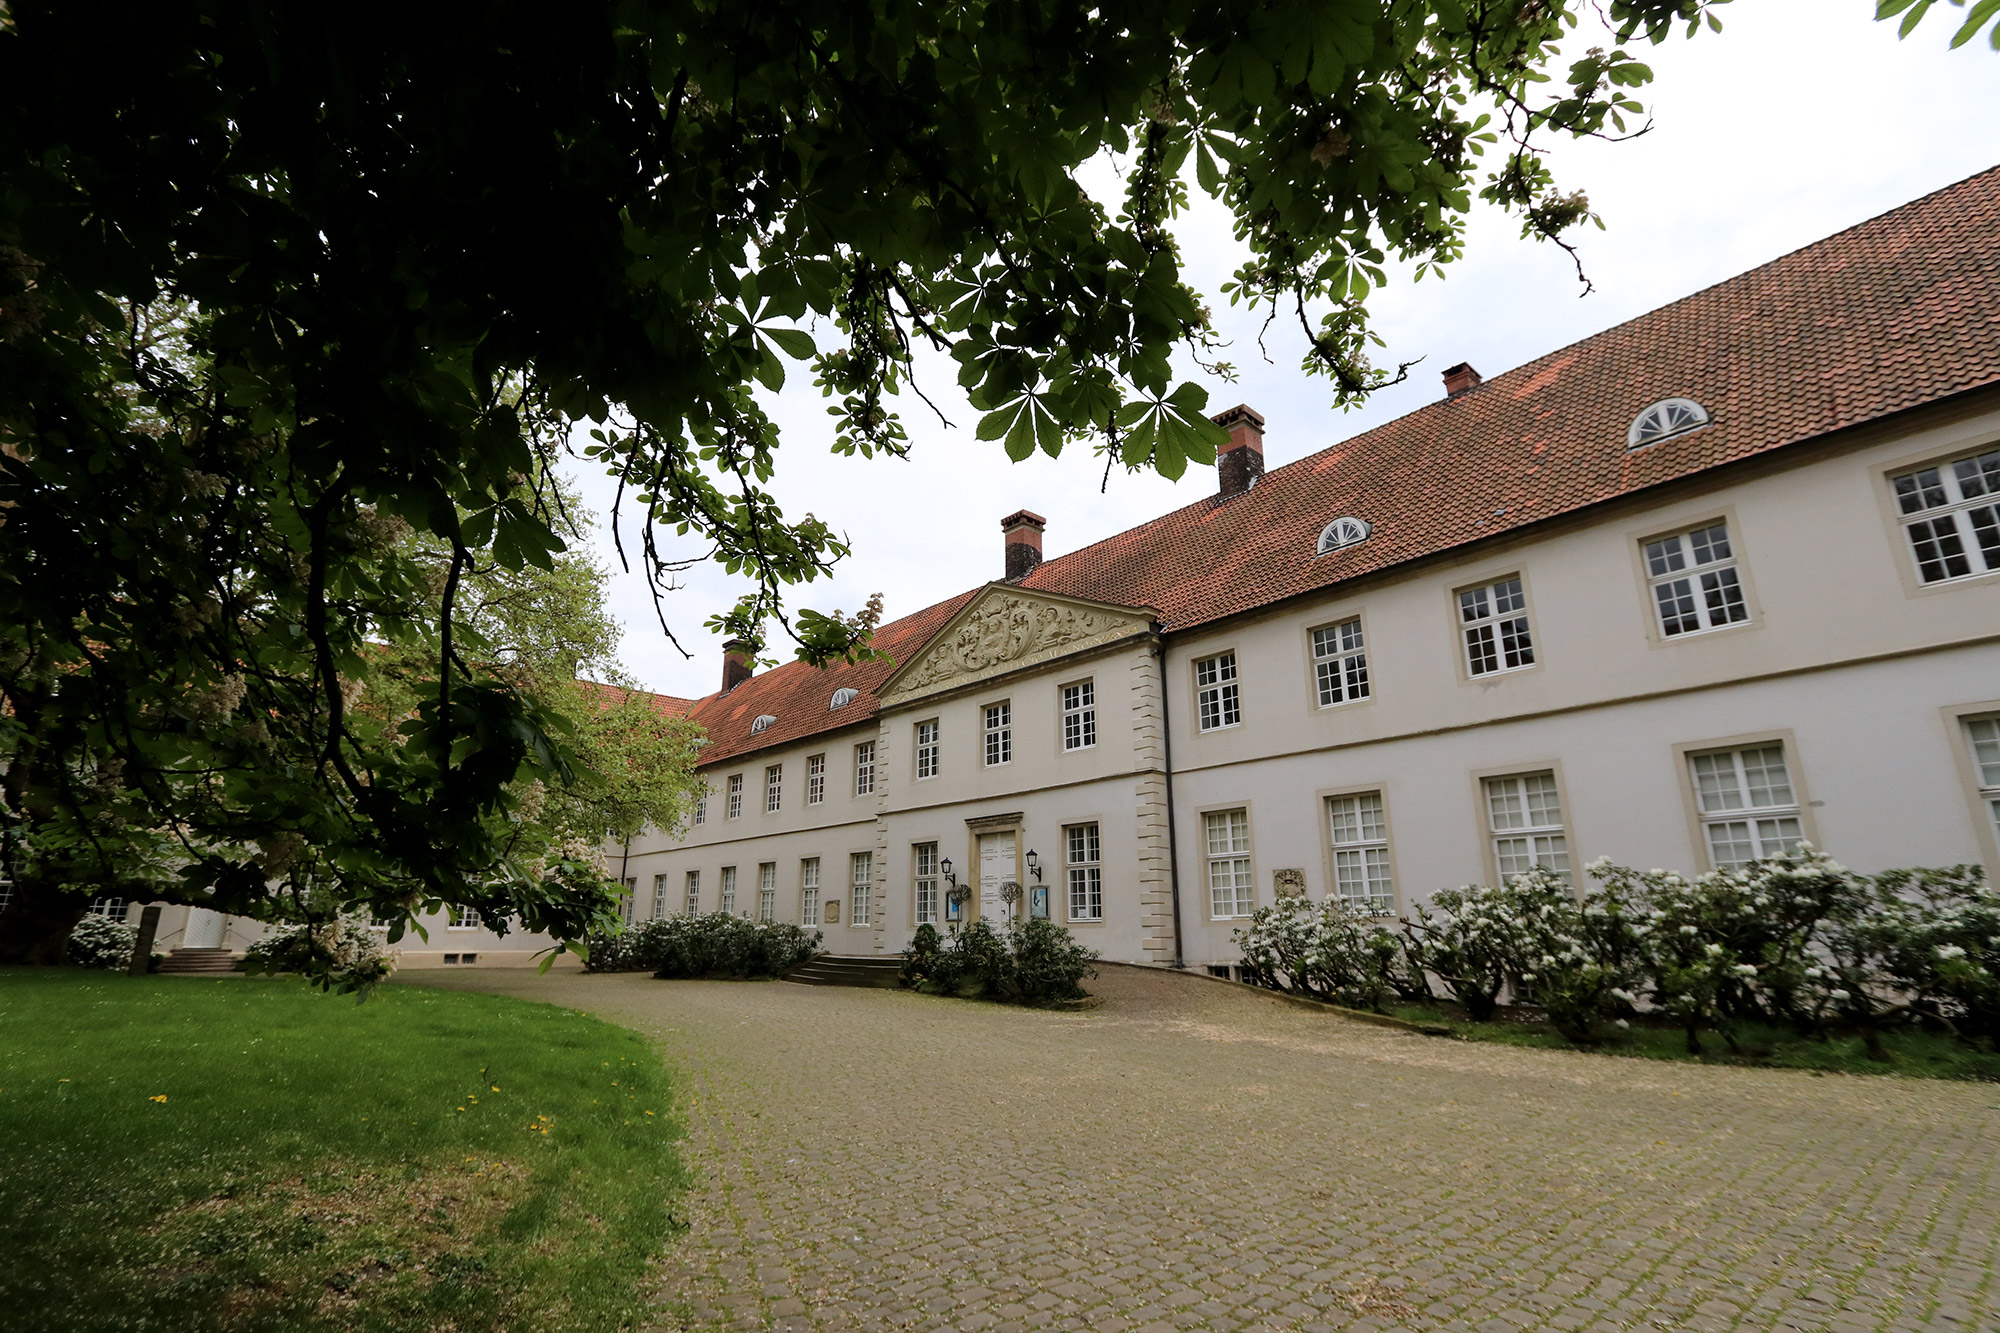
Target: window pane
[1985,733]
[1503,803]
[1715,782]
[1729,844]
[1710,544]
[1764,772]
[1939,550]
[1777,836]
[1919,491]
[1978,476]
[1677,607]
[1481,654]
[1724,596]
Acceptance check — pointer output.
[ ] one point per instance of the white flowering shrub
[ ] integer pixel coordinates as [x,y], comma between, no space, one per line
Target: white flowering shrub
[1469,939]
[338,955]
[1331,951]
[712,944]
[98,941]
[1939,941]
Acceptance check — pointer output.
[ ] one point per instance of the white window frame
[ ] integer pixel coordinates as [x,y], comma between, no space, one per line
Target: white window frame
[809,891]
[767,891]
[1340,663]
[774,788]
[726,900]
[997,733]
[691,894]
[925,855]
[1494,628]
[1083,871]
[1951,504]
[660,894]
[1079,715]
[1735,773]
[112,909]
[734,809]
[701,808]
[1982,735]
[1218,697]
[1232,883]
[467,918]
[1526,837]
[926,766]
[815,779]
[1695,579]
[1358,834]
[861,889]
[864,769]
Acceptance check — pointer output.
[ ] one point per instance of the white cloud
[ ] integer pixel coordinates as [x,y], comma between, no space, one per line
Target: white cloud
[1801,118]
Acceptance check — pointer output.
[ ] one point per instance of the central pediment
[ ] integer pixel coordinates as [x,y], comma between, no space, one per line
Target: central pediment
[1006,628]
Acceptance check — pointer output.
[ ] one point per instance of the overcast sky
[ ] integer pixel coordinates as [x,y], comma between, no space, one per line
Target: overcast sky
[1801,118]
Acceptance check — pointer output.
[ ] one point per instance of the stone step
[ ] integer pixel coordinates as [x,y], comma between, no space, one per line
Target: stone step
[191,962]
[831,970]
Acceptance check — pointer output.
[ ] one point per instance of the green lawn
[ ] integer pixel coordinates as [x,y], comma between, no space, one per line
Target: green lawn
[189,1154]
[1917,1054]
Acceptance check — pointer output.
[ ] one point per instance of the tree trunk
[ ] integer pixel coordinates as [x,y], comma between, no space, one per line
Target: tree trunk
[36,925]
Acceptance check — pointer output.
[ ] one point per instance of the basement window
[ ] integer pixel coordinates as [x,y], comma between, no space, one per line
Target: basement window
[1664,420]
[763,723]
[1342,533]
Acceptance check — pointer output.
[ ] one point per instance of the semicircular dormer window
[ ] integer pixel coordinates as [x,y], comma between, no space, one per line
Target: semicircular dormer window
[763,723]
[1342,533]
[842,697]
[1664,420]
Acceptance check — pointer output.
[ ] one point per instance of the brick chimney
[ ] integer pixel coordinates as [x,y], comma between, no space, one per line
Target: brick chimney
[1023,534]
[739,663]
[1239,463]
[1461,378]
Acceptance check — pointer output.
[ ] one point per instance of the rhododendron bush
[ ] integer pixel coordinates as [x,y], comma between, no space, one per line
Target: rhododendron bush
[1797,940]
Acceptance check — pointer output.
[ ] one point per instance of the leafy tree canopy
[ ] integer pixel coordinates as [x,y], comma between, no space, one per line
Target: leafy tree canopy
[414,247]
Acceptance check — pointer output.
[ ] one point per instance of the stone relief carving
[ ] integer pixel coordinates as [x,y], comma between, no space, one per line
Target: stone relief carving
[1289,883]
[1007,629]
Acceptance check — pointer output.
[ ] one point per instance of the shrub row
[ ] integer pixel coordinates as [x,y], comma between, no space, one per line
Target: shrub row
[715,944]
[1796,940]
[1036,962]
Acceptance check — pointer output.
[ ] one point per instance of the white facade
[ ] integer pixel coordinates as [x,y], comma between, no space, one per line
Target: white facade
[1836,695]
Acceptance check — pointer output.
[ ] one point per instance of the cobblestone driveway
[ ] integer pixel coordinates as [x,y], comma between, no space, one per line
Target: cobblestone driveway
[1196,1156]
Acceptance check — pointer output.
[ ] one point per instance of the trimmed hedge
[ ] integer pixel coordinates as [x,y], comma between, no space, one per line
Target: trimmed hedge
[715,944]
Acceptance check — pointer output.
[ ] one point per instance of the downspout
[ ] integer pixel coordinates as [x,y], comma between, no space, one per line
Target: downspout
[1173,839]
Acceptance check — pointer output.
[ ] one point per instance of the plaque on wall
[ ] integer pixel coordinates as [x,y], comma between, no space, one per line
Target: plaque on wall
[1289,883]
[833,912]
[1038,902]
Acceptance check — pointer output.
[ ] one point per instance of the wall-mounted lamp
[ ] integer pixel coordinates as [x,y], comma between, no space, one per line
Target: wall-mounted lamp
[1034,865]
[949,878]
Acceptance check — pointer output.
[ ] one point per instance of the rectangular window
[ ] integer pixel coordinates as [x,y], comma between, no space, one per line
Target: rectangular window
[1230,892]
[774,788]
[629,906]
[660,893]
[864,768]
[809,891]
[927,883]
[701,809]
[927,749]
[461,918]
[1083,866]
[691,894]
[1951,515]
[1526,818]
[734,810]
[1216,702]
[815,779]
[1695,582]
[113,909]
[727,902]
[1984,734]
[1495,618]
[861,889]
[1361,852]
[1748,808]
[999,734]
[1079,716]
[767,891]
[1340,664]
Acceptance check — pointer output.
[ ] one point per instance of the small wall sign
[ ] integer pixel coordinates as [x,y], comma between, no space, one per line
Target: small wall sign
[1038,902]
[1289,883]
[833,912]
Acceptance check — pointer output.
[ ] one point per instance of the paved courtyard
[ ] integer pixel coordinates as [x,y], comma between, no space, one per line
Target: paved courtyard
[1194,1155]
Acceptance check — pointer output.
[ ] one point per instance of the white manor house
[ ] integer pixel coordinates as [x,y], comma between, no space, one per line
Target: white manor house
[1712,582]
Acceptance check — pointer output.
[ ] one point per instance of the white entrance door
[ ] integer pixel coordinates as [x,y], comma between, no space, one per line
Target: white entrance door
[204,929]
[996,867]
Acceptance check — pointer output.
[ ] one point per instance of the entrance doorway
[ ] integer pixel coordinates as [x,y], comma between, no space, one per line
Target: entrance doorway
[203,930]
[996,867]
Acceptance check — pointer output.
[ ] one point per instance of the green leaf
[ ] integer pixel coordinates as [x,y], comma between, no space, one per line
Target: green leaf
[1981,12]
[1206,174]
[797,343]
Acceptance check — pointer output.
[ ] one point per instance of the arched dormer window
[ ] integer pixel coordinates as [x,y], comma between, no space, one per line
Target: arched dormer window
[842,697]
[1664,420]
[762,723]
[1342,533]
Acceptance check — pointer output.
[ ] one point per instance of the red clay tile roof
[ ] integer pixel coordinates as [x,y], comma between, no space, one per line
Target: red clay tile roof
[610,696]
[1897,312]
[1901,310]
